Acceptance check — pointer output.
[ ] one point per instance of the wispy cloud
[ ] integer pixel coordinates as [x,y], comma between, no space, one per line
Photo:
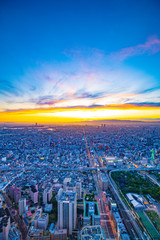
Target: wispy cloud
[84,82]
[150,47]
[71,85]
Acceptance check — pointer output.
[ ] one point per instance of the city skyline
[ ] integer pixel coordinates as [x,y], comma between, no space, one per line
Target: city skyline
[78,61]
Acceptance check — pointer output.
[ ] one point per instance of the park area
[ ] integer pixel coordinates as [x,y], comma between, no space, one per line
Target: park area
[155,219]
[132,182]
[149,227]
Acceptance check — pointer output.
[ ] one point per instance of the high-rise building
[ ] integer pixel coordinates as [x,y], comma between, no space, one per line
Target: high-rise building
[67,211]
[104,181]
[4,224]
[49,194]
[65,183]
[34,194]
[45,196]
[15,193]
[11,191]
[59,193]
[37,217]
[22,206]
[79,190]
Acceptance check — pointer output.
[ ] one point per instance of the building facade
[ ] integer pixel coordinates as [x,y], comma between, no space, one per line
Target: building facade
[67,211]
[22,206]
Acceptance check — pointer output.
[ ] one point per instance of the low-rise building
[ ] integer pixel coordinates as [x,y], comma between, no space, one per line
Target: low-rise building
[91,213]
[43,221]
[92,233]
[60,234]
[120,228]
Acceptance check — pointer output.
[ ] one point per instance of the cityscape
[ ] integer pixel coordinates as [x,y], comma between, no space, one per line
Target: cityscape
[80,120]
[80,182]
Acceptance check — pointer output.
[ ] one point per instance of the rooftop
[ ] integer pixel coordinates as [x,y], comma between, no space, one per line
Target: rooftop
[68,196]
[91,208]
[92,233]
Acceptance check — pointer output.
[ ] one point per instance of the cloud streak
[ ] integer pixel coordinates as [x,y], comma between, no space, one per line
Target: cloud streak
[85,83]
[150,47]
[72,85]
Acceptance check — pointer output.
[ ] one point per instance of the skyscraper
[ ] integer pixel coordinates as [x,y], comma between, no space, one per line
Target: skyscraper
[4,224]
[34,193]
[79,190]
[67,211]
[47,194]
[22,206]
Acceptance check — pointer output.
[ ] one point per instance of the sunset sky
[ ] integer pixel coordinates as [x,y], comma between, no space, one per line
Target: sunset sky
[69,61]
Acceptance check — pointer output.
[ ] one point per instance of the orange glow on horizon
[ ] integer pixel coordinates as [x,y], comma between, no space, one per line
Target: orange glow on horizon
[66,115]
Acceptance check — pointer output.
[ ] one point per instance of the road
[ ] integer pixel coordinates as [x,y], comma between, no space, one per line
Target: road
[11,181]
[153,179]
[105,169]
[104,211]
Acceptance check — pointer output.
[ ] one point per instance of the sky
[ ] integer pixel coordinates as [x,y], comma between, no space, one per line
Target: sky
[68,61]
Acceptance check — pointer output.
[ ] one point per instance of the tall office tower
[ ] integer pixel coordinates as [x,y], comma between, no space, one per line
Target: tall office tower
[22,206]
[15,193]
[59,193]
[45,196]
[65,183]
[37,217]
[104,181]
[67,211]
[4,224]
[79,190]
[49,192]
[11,191]
[34,194]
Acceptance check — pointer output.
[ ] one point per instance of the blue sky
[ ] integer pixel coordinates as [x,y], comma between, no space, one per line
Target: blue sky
[71,53]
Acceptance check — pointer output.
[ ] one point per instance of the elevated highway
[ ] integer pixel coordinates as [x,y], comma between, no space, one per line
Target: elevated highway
[106,169]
